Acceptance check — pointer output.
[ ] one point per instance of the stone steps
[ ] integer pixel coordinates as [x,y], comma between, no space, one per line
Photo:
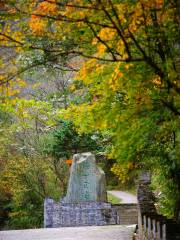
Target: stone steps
[127,213]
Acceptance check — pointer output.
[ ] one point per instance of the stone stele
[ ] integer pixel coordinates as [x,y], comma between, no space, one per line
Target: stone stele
[87,181]
[86,201]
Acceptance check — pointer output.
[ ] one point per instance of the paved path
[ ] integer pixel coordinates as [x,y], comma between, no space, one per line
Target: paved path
[124,196]
[113,232]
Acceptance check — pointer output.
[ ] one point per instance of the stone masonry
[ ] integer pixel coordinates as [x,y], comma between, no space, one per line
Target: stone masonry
[79,214]
[86,201]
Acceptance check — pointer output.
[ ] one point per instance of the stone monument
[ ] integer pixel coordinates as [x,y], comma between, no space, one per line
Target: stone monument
[86,201]
[87,181]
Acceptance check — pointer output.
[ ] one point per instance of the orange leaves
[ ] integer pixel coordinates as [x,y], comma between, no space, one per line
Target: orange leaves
[152,3]
[37,25]
[47,7]
[38,21]
[68,162]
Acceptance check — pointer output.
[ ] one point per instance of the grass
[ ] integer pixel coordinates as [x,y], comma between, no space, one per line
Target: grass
[132,189]
[112,199]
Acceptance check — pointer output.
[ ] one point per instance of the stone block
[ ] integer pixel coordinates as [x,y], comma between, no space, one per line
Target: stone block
[87,180]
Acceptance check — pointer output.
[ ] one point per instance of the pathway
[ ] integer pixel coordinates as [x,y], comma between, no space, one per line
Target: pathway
[124,196]
[113,232]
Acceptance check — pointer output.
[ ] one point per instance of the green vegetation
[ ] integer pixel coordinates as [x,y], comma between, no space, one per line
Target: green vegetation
[66,141]
[112,199]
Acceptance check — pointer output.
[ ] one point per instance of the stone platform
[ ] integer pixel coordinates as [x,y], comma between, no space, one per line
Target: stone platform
[78,214]
[115,232]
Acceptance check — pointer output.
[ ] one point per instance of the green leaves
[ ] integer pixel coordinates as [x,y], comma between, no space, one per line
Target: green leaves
[66,141]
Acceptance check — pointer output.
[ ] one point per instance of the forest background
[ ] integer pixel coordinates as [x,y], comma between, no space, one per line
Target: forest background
[84,75]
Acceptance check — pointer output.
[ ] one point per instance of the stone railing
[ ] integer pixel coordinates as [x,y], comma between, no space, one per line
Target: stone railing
[158,227]
[151,225]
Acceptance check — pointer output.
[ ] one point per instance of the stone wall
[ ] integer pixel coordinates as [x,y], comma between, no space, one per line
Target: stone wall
[127,213]
[80,214]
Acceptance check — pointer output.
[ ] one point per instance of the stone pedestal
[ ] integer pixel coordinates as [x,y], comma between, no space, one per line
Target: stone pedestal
[79,214]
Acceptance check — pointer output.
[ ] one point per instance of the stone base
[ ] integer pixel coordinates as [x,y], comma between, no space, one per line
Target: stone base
[78,214]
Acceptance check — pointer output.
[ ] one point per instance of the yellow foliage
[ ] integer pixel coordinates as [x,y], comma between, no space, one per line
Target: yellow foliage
[21,82]
[82,73]
[10,91]
[122,171]
[86,69]
[101,48]
[3,39]
[120,46]
[114,81]
[18,36]
[94,41]
[107,34]
[72,87]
